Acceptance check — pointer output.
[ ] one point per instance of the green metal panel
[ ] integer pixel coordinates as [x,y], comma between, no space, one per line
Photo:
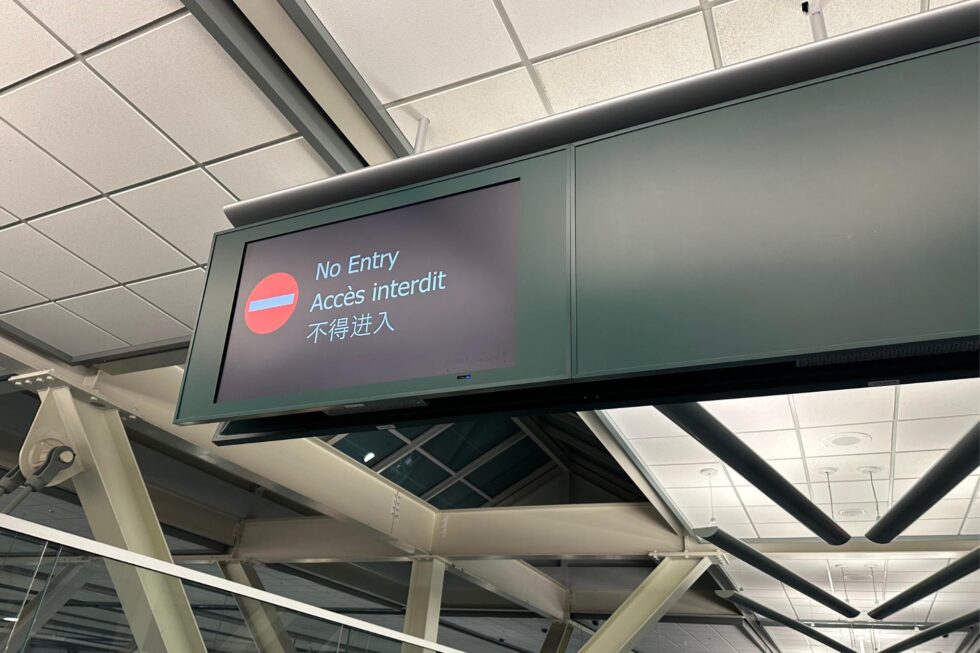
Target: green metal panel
[543,302]
[835,216]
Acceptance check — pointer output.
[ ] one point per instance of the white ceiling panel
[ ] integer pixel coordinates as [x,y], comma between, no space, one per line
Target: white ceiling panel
[105,236]
[848,439]
[752,28]
[963,490]
[545,26]
[933,527]
[925,434]
[672,451]
[769,515]
[643,422]
[854,406]
[793,529]
[31,182]
[669,51]
[85,125]
[84,24]
[752,496]
[847,468]
[15,295]
[185,209]
[850,491]
[843,16]
[752,413]
[772,445]
[915,464]
[939,399]
[472,110]
[406,48]
[272,168]
[971,526]
[178,294]
[25,46]
[934,4]
[680,476]
[792,470]
[948,509]
[44,266]
[61,329]
[6,218]
[126,316]
[179,76]
[720,496]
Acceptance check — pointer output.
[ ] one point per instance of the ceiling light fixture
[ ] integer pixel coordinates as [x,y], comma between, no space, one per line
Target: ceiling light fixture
[968,620]
[958,463]
[715,437]
[847,440]
[789,622]
[852,512]
[945,576]
[369,456]
[767,565]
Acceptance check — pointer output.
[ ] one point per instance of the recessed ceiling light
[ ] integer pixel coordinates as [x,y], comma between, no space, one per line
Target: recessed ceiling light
[11,619]
[851,512]
[369,456]
[846,440]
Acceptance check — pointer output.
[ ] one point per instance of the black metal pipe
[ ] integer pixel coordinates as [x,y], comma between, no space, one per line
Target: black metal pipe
[929,634]
[958,463]
[716,438]
[945,576]
[789,622]
[767,565]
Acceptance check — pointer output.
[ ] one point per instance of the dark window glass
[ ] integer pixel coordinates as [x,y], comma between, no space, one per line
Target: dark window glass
[368,447]
[415,473]
[458,495]
[508,468]
[463,442]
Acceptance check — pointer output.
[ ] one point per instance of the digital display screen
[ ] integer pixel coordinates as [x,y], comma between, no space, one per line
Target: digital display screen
[417,291]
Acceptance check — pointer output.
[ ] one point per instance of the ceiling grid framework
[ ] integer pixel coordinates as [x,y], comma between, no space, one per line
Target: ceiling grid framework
[472,70]
[104,125]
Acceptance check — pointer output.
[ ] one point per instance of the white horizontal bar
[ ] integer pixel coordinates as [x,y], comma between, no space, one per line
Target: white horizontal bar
[85,545]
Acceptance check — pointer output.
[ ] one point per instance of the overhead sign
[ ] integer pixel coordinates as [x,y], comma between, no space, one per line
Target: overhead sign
[422,290]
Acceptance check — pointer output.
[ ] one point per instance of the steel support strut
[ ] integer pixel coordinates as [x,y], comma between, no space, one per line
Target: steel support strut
[424,601]
[117,506]
[647,604]
[263,620]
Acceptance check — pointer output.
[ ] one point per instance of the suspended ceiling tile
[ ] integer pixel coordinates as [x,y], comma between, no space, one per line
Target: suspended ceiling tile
[25,46]
[753,28]
[948,509]
[971,526]
[963,490]
[85,125]
[783,530]
[933,527]
[752,496]
[935,4]
[126,316]
[847,439]
[672,451]
[545,26]
[643,422]
[31,182]
[925,434]
[406,48]
[848,468]
[850,491]
[680,476]
[58,328]
[752,413]
[696,497]
[669,51]
[915,464]
[84,24]
[855,512]
[792,470]
[772,445]
[939,399]
[472,110]
[852,406]
[178,294]
[15,295]
[842,16]
[108,238]
[44,266]
[6,218]
[769,515]
[272,168]
[180,77]
[185,209]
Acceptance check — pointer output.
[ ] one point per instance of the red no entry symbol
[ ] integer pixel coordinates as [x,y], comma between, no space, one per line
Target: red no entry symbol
[271,303]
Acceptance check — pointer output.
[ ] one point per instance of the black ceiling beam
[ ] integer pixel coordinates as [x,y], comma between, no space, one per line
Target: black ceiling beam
[789,622]
[958,463]
[945,576]
[716,438]
[767,565]
[969,620]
